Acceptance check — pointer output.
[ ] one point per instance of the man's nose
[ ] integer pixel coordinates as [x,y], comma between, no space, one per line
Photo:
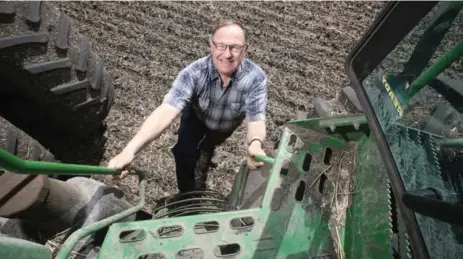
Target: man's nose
[228,52]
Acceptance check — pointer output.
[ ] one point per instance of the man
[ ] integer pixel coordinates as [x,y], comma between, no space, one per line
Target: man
[214,94]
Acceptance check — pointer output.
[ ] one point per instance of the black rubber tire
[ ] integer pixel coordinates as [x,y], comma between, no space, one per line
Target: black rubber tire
[18,143]
[50,68]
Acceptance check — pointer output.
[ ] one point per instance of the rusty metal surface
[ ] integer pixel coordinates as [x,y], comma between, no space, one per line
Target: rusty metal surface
[21,192]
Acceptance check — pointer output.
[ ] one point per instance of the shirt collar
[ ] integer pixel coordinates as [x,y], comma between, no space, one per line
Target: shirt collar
[241,71]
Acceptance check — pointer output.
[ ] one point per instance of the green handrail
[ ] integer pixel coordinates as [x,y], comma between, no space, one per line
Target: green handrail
[17,165]
[265,159]
[432,72]
[451,143]
[20,166]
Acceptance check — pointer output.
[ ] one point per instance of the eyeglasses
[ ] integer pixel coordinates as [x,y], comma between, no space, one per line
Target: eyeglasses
[233,48]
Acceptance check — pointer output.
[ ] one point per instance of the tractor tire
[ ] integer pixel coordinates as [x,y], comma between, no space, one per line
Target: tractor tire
[52,82]
[18,143]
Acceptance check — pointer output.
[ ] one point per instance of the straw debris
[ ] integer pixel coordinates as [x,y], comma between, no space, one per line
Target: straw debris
[338,198]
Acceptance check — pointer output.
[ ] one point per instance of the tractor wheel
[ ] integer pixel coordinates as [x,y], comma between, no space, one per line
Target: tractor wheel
[18,143]
[52,82]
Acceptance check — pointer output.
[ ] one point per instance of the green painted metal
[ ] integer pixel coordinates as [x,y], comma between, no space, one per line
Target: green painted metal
[288,225]
[265,159]
[237,187]
[281,226]
[438,67]
[432,36]
[331,142]
[316,147]
[342,121]
[451,143]
[290,222]
[369,224]
[22,249]
[19,166]
[266,224]
[336,129]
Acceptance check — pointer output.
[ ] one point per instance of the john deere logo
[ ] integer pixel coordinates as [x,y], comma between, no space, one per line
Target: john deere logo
[392,95]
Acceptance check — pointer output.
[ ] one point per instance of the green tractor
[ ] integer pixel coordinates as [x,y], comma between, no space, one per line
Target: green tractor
[383,183]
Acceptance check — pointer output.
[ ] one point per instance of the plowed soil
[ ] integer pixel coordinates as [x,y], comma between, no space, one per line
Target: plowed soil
[301,45]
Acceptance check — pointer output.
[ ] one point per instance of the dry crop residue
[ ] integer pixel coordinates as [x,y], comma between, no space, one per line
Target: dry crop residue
[302,46]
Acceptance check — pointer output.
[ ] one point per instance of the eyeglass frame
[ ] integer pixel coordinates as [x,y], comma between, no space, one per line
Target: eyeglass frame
[231,47]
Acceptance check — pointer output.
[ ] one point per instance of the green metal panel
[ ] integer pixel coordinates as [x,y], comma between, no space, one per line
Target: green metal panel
[19,166]
[290,222]
[293,220]
[295,217]
[438,67]
[336,129]
[369,228]
[14,248]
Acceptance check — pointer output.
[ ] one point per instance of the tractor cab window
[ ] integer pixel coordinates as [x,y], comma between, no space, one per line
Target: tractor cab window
[412,83]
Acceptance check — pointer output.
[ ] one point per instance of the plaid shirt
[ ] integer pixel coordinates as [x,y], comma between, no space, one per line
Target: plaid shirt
[220,108]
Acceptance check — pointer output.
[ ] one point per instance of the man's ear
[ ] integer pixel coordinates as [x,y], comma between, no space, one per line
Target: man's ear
[211,46]
[245,50]
[209,40]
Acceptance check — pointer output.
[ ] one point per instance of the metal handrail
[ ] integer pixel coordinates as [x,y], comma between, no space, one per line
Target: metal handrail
[17,165]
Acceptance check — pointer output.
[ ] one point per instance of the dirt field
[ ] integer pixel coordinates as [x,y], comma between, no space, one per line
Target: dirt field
[302,47]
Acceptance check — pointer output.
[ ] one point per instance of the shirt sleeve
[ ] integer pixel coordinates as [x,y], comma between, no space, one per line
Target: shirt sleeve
[182,89]
[256,103]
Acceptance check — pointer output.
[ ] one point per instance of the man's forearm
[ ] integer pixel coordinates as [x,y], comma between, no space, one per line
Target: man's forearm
[152,127]
[256,129]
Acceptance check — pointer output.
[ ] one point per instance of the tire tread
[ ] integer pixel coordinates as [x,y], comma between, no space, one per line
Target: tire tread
[6,8]
[74,103]
[48,66]
[63,32]
[70,87]
[33,14]
[84,53]
[23,39]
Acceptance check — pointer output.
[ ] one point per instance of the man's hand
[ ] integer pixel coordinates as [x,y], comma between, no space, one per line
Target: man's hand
[151,128]
[120,162]
[255,149]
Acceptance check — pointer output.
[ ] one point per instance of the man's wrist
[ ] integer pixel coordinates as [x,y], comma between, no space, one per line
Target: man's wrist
[129,150]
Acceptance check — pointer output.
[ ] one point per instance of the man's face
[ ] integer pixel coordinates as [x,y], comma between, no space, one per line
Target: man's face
[228,48]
